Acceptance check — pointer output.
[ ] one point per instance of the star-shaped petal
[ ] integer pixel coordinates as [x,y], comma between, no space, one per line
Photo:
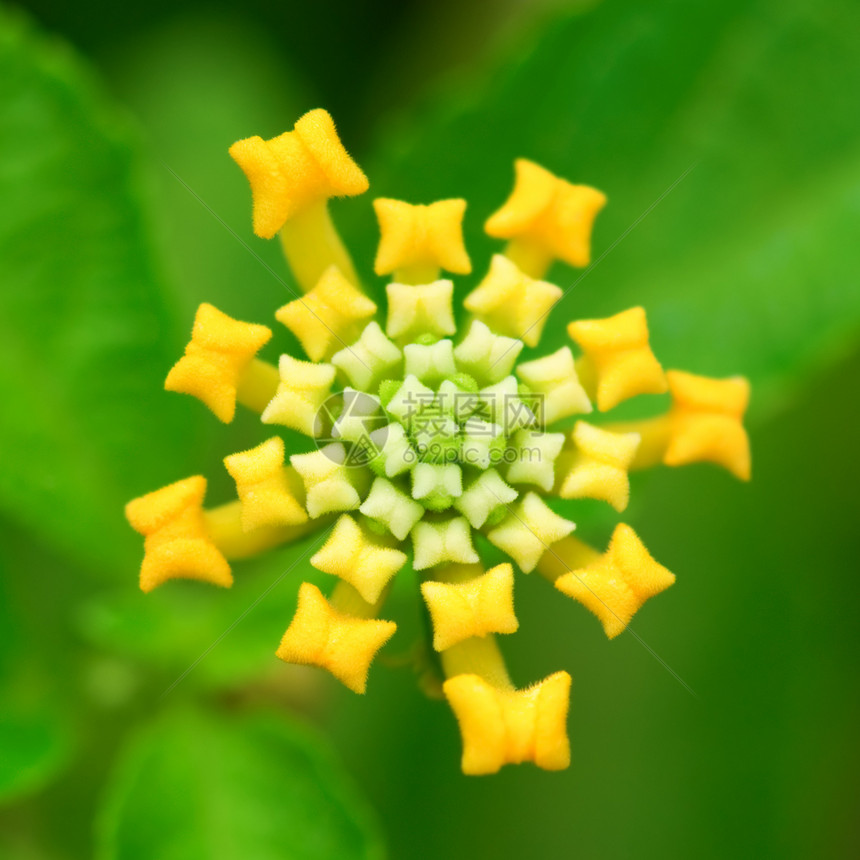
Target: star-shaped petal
[370,359]
[423,238]
[501,727]
[177,544]
[460,610]
[329,482]
[293,171]
[597,466]
[706,422]
[486,356]
[529,530]
[548,216]
[556,390]
[359,559]
[615,585]
[440,542]
[512,303]
[321,636]
[268,496]
[392,507]
[619,357]
[303,389]
[416,310]
[220,349]
[328,317]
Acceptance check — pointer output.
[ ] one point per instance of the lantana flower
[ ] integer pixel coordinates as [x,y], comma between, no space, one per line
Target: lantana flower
[428,442]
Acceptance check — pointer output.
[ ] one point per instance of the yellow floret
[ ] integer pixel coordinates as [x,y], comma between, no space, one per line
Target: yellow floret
[501,727]
[460,610]
[322,636]
[365,563]
[303,389]
[415,310]
[328,317]
[220,349]
[617,354]
[264,488]
[329,483]
[706,422]
[293,171]
[597,467]
[546,218]
[529,530]
[416,241]
[616,584]
[177,544]
[512,303]
[554,381]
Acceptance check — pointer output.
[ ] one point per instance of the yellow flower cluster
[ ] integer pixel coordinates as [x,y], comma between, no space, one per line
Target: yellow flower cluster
[427,447]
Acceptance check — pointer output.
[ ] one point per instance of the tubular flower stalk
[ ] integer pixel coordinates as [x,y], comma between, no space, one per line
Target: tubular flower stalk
[434,438]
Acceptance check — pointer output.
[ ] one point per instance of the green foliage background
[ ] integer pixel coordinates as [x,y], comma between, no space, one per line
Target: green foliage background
[727,137]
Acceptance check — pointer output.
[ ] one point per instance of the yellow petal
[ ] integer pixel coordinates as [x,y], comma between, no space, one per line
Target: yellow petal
[615,585]
[329,482]
[176,542]
[415,310]
[303,389]
[556,390]
[618,353]
[487,357]
[219,350]
[421,236]
[328,317]
[321,636]
[460,610]
[548,212]
[529,530]
[264,488]
[597,467]
[511,303]
[440,542]
[392,507]
[351,554]
[296,169]
[501,727]
[707,422]
[369,360]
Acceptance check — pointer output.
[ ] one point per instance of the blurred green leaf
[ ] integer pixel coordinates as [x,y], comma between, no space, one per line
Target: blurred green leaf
[85,333]
[746,266]
[197,787]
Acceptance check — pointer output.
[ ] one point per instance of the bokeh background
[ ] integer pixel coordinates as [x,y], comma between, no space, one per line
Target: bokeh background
[727,137]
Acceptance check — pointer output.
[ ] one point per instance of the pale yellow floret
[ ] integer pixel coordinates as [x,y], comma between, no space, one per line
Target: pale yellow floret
[328,317]
[707,422]
[432,363]
[483,496]
[615,585]
[360,414]
[598,464]
[359,559]
[501,727]
[303,389]
[440,542]
[176,543]
[266,489]
[529,530]
[392,507]
[416,310]
[556,386]
[329,483]
[618,357]
[536,455]
[461,610]
[295,170]
[394,449]
[220,349]
[410,399]
[503,406]
[416,241]
[369,360]
[481,443]
[512,303]
[320,635]
[546,218]
[444,478]
[486,356]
